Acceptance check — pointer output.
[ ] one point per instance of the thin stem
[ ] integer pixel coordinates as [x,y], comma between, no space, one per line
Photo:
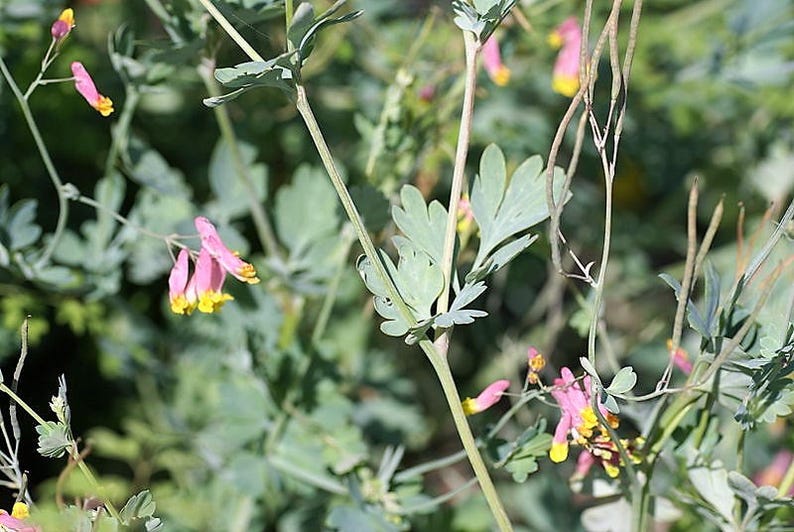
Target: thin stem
[264,230]
[338,183]
[288,12]
[471,47]
[18,400]
[231,31]
[437,501]
[320,481]
[63,203]
[333,288]
[122,127]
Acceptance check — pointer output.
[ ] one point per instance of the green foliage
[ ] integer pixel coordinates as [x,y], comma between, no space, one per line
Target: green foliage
[771,392]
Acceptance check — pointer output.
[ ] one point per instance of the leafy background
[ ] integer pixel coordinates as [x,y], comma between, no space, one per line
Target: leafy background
[188,407]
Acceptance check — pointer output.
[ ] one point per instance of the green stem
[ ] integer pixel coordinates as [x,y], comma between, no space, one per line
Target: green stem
[305,110]
[471,47]
[63,202]
[263,228]
[737,507]
[436,359]
[288,12]
[231,31]
[441,366]
[122,128]
[18,400]
[333,288]
[73,452]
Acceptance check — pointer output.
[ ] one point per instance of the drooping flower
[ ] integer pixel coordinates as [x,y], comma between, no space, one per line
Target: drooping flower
[565,76]
[580,423]
[85,86]
[680,357]
[63,25]
[487,398]
[15,521]
[492,61]
[228,260]
[207,283]
[177,285]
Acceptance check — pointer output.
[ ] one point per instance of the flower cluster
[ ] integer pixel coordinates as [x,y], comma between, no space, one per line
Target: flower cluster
[83,82]
[204,289]
[15,521]
[565,76]
[580,422]
[487,398]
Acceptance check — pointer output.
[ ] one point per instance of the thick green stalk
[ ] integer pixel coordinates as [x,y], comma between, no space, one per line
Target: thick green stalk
[441,366]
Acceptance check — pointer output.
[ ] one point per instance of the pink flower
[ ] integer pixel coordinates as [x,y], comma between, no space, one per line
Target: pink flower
[580,422]
[492,61]
[177,283]
[207,283]
[577,418]
[85,86]
[61,27]
[229,261]
[15,522]
[772,475]
[487,398]
[565,77]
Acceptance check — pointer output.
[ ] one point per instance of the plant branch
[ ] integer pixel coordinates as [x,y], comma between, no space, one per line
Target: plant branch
[63,203]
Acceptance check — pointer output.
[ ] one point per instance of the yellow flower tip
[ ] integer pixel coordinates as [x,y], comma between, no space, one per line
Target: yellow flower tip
[180,305]
[67,15]
[565,85]
[554,39]
[469,406]
[210,301]
[104,105]
[20,509]
[501,76]
[537,363]
[248,272]
[558,452]
[612,470]
[589,418]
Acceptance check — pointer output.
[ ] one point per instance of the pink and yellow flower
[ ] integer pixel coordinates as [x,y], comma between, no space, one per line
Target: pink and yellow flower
[579,424]
[565,77]
[492,61]
[63,25]
[228,260]
[204,289]
[207,283]
[85,86]
[15,521]
[487,398]
[177,285]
